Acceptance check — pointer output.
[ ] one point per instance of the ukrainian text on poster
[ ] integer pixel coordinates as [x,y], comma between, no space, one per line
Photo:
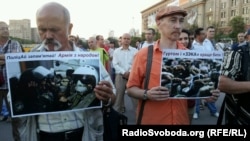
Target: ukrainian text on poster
[52,82]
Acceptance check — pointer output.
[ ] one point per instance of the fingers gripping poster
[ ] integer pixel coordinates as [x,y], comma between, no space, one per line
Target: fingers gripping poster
[52,82]
[190,74]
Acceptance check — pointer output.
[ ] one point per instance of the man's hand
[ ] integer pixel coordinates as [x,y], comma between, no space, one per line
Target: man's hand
[104,91]
[214,97]
[126,75]
[158,93]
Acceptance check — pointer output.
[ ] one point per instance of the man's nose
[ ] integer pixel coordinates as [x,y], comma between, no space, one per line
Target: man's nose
[178,24]
[49,34]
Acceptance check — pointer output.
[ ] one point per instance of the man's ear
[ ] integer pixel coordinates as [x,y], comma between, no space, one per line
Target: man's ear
[70,28]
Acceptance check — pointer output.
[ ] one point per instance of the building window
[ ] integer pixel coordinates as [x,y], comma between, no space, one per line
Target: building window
[233,12]
[246,20]
[233,2]
[245,10]
[222,23]
[223,5]
[223,14]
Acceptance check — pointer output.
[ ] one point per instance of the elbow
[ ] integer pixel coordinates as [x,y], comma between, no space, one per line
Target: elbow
[129,92]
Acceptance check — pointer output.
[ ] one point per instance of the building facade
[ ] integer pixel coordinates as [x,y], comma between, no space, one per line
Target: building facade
[202,13]
[20,29]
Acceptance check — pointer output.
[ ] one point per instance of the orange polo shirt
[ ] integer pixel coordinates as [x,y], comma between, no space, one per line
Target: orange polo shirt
[168,112]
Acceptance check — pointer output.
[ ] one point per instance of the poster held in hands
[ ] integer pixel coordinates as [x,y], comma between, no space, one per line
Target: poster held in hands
[190,74]
[52,82]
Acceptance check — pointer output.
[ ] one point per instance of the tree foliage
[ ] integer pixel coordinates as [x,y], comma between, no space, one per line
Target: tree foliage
[237,25]
[22,41]
[192,27]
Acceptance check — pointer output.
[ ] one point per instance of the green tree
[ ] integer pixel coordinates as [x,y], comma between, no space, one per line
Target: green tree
[134,40]
[237,25]
[115,40]
[22,41]
[192,27]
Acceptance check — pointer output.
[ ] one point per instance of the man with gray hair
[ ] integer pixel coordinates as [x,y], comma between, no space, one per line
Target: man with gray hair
[54,27]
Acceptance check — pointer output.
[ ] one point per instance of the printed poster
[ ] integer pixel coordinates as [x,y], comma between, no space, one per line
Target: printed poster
[190,74]
[52,82]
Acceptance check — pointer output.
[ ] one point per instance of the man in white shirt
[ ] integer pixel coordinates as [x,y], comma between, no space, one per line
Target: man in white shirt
[210,35]
[122,61]
[200,42]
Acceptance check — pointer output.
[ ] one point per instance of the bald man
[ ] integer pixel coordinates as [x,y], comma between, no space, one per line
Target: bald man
[54,27]
[122,61]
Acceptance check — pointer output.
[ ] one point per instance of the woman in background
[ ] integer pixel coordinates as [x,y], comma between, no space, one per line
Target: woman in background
[185,39]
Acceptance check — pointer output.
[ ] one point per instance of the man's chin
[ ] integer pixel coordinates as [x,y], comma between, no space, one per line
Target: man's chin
[53,47]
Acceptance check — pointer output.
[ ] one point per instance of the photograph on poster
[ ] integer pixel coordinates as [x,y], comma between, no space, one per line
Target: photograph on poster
[190,74]
[42,83]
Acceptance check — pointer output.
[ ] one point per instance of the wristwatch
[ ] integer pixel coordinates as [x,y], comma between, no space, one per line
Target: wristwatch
[145,95]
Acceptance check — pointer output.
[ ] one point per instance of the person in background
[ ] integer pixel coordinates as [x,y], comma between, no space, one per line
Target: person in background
[120,41]
[73,39]
[159,109]
[7,45]
[137,45]
[241,41]
[191,37]
[93,47]
[122,60]
[234,81]
[202,44]
[220,46]
[4,112]
[106,43]
[54,27]
[100,43]
[210,33]
[185,39]
[149,36]
[247,35]
[111,53]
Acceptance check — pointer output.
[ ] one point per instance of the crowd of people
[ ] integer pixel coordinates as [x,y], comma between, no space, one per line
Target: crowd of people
[123,71]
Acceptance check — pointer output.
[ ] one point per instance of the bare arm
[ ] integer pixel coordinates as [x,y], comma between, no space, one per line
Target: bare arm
[230,86]
[156,93]
[135,92]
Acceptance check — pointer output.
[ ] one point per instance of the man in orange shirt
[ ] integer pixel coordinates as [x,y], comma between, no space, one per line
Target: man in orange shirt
[159,109]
